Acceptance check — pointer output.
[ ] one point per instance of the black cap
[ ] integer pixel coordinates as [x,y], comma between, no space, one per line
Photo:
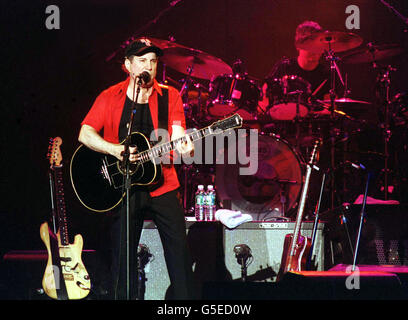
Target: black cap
[141,46]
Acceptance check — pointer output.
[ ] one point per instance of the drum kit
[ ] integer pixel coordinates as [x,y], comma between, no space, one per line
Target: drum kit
[288,125]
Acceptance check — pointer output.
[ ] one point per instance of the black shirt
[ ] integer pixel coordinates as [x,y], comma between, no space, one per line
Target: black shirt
[315,77]
[142,121]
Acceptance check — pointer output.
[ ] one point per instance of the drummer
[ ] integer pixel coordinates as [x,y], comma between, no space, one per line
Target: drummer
[308,65]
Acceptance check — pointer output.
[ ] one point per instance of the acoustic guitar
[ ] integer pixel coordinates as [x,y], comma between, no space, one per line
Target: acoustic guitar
[296,247]
[65,277]
[98,179]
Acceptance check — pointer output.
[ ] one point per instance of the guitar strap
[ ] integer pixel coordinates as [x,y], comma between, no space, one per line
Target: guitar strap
[163,118]
[163,109]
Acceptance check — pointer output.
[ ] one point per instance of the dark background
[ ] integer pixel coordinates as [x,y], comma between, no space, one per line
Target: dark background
[51,77]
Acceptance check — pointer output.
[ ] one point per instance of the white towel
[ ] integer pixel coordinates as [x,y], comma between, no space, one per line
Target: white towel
[232,219]
[371,200]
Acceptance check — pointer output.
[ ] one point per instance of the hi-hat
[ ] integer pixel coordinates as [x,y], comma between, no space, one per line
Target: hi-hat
[330,40]
[202,64]
[373,53]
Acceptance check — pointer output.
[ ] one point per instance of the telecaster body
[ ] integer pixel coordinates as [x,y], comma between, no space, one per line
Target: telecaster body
[74,274]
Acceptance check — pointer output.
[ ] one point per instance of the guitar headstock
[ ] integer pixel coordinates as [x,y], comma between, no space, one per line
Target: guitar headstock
[234,121]
[54,154]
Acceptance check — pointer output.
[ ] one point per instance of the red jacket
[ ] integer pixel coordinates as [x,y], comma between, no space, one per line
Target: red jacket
[107,110]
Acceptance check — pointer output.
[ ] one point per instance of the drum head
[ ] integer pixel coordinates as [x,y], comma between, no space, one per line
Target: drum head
[233,94]
[288,97]
[277,181]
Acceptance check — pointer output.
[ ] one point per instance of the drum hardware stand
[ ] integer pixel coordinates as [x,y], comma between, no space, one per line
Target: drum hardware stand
[186,82]
[297,117]
[384,79]
[333,70]
[282,195]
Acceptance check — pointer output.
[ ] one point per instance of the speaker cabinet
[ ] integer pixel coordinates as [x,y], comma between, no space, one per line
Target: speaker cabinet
[205,245]
[211,246]
[265,239]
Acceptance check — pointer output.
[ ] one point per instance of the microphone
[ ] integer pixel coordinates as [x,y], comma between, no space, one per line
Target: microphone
[144,77]
[358,166]
[242,251]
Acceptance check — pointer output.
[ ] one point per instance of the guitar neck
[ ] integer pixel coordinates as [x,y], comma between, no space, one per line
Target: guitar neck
[301,207]
[60,204]
[302,202]
[166,147]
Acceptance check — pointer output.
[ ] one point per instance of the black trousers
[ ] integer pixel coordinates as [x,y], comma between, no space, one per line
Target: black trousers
[168,215]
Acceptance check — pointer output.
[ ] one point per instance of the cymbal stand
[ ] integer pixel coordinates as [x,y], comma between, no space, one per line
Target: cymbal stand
[385,80]
[186,83]
[333,69]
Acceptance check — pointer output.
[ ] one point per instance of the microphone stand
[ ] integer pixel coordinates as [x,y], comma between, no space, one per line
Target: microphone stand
[362,214]
[142,29]
[126,166]
[316,222]
[404,19]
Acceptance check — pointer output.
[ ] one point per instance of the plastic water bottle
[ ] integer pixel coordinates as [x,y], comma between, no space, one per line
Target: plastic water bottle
[199,203]
[210,203]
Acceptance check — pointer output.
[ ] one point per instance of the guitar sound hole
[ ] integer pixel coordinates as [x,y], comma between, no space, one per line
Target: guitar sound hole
[133,168]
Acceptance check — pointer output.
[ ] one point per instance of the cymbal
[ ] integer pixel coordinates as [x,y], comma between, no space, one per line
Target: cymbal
[334,40]
[347,100]
[373,53]
[163,44]
[204,66]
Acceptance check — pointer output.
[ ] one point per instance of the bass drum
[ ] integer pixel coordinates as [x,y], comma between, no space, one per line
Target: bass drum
[273,190]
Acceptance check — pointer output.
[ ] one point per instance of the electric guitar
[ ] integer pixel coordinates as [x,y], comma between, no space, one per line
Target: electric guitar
[98,179]
[65,276]
[296,247]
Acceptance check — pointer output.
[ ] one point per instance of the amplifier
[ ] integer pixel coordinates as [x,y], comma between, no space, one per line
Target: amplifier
[265,239]
[211,245]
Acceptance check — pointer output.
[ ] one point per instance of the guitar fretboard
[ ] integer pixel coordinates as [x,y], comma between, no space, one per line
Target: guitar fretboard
[60,204]
[163,148]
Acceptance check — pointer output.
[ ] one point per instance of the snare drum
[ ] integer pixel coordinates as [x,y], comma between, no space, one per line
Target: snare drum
[233,94]
[285,95]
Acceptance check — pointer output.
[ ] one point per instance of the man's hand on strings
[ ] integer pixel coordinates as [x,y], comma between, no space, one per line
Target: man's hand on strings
[133,154]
